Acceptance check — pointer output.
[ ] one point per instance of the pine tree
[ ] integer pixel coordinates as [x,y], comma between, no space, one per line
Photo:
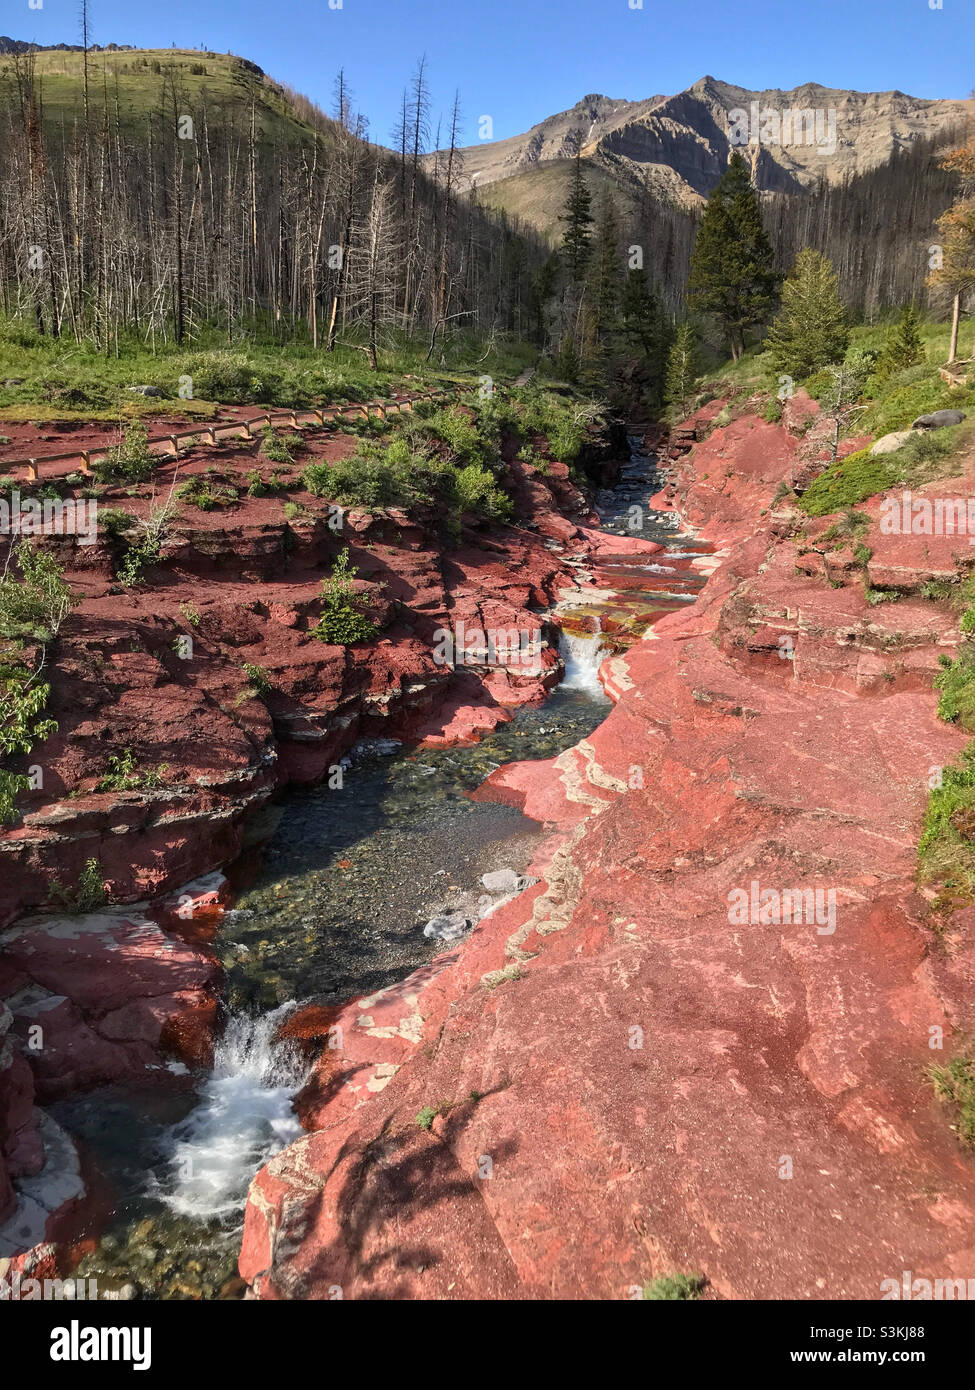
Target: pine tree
[645,329]
[731,273]
[607,273]
[904,346]
[681,368]
[577,238]
[541,291]
[811,329]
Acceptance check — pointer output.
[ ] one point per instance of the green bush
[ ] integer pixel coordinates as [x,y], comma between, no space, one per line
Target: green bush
[200,492]
[22,702]
[281,448]
[114,521]
[129,461]
[36,604]
[89,893]
[258,678]
[137,559]
[476,492]
[674,1287]
[233,377]
[257,486]
[376,477]
[818,384]
[343,620]
[461,433]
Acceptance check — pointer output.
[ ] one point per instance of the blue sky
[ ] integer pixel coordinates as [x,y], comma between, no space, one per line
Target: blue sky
[521,60]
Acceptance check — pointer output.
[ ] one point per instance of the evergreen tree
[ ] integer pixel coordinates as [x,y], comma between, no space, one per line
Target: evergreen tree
[731,274]
[577,238]
[904,346]
[645,329]
[542,290]
[607,272]
[811,330]
[681,368]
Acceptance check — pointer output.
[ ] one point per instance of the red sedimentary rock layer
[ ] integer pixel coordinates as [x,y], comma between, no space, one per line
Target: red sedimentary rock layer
[616,1077]
[128,995]
[243,587]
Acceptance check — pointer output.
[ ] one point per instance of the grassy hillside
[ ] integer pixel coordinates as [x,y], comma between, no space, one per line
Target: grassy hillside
[141,82]
[538,195]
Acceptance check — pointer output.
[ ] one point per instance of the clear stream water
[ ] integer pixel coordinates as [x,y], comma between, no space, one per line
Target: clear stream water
[331,907]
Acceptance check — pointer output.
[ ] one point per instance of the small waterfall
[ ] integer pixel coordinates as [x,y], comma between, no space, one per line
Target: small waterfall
[582,656]
[244,1116]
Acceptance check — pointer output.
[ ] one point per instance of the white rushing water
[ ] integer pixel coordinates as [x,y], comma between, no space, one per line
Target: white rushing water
[244,1116]
[582,656]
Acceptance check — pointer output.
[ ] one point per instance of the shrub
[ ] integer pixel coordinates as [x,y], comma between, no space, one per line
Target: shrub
[89,893]
[121,775]
[230,376]
[818,384]
[378,476]
[461,433]
[58,388]
[114,521]
[22,702]
[258,678]
[773,411]
[37,604]
[476,492]
[130,460]
[281,448]
[343,620]
[674,1287]
[257,486]
[200,492]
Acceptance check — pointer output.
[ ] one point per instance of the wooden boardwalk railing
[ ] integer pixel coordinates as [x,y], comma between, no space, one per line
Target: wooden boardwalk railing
[169,445]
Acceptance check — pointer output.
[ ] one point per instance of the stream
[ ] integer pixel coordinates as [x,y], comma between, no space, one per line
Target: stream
[353,889]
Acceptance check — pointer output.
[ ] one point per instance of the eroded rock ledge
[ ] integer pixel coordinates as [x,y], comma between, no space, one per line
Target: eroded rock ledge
[614,1080]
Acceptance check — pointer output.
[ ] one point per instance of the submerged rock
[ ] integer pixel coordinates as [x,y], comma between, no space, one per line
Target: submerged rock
[448,926]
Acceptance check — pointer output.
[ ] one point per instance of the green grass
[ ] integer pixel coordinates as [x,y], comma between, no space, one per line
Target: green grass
[138,80]
[66,381]
[925,457]
[954,1084]
[944,854]
[849,481]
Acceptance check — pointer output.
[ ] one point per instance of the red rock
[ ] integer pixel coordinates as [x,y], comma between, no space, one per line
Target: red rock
[648,1084]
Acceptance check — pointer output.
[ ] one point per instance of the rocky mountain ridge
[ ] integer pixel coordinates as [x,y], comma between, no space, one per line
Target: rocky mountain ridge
[679,145]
